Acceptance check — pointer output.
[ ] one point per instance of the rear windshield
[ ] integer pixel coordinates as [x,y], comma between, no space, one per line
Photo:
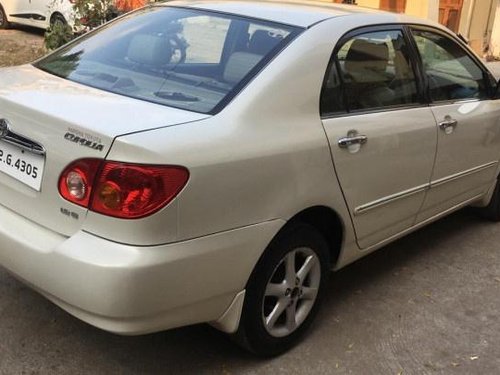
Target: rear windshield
[178,57]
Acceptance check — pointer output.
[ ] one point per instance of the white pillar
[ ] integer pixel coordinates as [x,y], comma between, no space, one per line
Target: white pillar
[433,10]
[466,18]
[495,34]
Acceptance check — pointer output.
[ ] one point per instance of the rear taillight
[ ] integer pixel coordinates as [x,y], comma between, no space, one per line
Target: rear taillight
[122,190]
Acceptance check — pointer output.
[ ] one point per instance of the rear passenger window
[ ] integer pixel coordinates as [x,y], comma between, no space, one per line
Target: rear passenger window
[452,73]
[374,72]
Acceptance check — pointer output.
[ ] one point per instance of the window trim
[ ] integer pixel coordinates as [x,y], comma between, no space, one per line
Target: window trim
[487,77]
[345,112]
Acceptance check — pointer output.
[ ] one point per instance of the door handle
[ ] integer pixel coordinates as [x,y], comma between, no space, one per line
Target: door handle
[352,139]
[448,124]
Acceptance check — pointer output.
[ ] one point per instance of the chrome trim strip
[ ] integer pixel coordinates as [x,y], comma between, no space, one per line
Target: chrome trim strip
[407,193]
[468,172]
[421,224]
[24,143]
[389,199]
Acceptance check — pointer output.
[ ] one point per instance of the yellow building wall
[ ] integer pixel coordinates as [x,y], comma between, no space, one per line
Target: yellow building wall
[369,3]
[423,8]
[419,8]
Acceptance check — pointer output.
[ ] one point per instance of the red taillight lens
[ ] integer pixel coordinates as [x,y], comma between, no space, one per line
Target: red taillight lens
[123,190]
[131,191]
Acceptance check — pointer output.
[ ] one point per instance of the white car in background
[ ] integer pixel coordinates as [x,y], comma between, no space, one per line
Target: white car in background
[35,13]
[212,161]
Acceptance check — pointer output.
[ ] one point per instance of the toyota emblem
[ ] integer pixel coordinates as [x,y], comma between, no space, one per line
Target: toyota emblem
[4,128]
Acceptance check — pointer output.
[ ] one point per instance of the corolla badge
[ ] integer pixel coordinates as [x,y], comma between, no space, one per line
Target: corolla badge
[4,128]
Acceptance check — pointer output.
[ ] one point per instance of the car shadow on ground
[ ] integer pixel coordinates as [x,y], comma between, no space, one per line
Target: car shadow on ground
[28,29]
[201,348]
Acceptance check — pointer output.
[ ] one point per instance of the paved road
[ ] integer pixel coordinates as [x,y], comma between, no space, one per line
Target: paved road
[428,304]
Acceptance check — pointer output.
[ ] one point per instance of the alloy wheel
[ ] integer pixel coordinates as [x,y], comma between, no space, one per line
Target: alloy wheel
[291,292]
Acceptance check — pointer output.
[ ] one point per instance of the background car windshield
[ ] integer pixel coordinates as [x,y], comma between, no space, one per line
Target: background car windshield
[178,57]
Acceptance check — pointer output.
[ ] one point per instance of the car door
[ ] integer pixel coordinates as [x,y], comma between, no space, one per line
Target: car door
[468,120]
[19,11]
[382,136]
[40,11]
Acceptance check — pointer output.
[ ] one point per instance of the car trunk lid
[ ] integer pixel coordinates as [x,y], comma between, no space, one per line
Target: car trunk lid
[69,121]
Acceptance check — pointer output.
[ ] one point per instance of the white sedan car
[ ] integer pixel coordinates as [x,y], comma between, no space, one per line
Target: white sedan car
[36,13]
[212,161]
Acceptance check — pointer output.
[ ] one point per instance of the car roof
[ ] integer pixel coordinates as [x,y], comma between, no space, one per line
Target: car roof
[292,12]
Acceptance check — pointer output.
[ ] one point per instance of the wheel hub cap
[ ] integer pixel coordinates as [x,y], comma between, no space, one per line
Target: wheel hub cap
[295,293]
[291,292]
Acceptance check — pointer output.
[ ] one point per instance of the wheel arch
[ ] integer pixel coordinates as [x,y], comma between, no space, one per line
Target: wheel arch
[326,221]
[56,14]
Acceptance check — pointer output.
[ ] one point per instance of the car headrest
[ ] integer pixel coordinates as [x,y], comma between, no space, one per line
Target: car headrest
[239,65]
[262,42]
[149,50]
[367,61]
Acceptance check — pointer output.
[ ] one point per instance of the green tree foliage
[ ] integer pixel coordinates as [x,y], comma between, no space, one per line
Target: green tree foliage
[57,35]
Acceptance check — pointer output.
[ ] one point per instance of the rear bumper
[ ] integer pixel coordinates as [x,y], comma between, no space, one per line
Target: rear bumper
[129,289]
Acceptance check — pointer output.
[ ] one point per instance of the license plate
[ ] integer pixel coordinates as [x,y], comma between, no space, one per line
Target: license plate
[22,165]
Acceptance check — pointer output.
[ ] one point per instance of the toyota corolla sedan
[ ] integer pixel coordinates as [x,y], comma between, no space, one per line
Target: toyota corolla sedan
[213,161]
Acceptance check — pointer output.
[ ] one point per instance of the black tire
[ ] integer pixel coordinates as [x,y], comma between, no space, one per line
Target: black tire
[58,19]
[4,24]
[304,241]
[492,210]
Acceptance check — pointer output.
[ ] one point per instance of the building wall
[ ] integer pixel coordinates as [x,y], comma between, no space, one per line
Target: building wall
[369,3]
[419,8]
[423,8]
[477,22]
[495,34]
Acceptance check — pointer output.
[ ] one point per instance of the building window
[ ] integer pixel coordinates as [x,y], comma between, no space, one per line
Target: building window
[397,6]
[449,13]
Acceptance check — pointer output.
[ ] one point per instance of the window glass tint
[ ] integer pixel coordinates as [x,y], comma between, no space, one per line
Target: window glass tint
[375,72]
[452,74]
[189,59]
